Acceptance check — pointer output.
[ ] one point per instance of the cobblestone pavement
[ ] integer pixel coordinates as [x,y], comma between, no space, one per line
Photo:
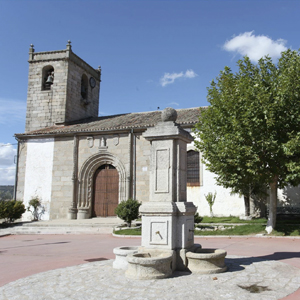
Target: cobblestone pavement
[98,280]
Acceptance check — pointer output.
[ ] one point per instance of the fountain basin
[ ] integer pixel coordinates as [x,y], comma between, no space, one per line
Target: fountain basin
[121,253]
[207,261]
[150,264]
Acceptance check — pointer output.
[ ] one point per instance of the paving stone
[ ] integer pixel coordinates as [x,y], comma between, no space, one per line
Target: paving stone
[98,280]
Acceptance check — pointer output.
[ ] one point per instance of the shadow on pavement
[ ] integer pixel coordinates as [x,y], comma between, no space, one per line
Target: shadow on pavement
[237,264]
[96,259]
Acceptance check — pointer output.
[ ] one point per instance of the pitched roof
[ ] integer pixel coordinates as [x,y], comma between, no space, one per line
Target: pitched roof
[185,117]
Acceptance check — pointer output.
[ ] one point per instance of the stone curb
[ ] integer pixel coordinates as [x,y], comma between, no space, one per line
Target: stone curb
[126,236]
[221,236]
[4,234]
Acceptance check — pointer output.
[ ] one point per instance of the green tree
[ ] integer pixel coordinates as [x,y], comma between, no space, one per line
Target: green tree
[10,210]
[128,210]
[249,136]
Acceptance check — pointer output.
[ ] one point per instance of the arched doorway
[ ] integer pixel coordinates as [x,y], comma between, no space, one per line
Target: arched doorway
[106,191]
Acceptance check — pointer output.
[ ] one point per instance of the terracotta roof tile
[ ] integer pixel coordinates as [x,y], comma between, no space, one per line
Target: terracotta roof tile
[188,116]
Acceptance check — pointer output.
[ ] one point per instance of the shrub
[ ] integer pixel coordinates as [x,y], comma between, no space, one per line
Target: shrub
[37,208]
[11,210]
[128,210]
[211,198]
[197,218]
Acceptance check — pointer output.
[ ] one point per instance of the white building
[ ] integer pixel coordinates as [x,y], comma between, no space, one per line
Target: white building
[81,165]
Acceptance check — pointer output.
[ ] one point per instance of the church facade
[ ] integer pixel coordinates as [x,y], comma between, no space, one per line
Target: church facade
[81,165]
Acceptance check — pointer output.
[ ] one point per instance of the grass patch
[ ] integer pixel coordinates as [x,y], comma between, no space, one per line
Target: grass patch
[233,220]
[287,221]
[237,230]
[286,230]
[283,228]
[129,231]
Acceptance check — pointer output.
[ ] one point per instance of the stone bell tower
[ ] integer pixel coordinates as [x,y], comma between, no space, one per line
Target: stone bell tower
[61,88]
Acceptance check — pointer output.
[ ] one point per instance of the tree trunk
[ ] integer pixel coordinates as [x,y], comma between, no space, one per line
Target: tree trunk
[247,205]
[272,206]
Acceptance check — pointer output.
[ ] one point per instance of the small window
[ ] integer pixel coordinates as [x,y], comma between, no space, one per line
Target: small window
[48,78]
[193,170]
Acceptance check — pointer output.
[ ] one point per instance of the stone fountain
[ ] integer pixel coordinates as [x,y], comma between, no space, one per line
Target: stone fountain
[167,219]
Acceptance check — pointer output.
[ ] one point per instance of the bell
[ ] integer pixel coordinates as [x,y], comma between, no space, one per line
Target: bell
[49,79]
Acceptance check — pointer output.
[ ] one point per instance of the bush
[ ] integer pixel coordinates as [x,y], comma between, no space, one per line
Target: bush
[128,210]
[211,198]
[37,208]
[197,218]
[11,210]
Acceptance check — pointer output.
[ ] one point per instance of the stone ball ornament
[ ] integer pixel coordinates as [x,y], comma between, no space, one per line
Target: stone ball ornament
[169,114]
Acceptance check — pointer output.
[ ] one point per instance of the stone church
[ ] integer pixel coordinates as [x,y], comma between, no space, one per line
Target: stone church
[81,165]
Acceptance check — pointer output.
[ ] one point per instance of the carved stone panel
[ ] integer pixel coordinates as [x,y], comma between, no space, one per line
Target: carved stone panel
[162,165]
[159,233]
[182,170]
[116,140]
[102,143]
[90,140]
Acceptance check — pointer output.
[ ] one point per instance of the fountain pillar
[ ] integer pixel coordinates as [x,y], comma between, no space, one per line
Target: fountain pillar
[168,219]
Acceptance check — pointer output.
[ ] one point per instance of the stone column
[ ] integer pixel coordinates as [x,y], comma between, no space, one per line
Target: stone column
[168,220]
[72,213]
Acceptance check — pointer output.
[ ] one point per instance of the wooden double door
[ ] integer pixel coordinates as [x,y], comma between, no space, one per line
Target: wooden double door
[106,191]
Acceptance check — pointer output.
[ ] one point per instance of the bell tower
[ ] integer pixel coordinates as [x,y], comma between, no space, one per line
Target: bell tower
[61,88]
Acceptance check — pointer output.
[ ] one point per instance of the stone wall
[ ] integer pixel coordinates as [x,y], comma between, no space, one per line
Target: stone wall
[63,101]
[117,145]
[45,107]
[40,156]
[142,168]
[62,184]
[21,170]
[96,150]
[76,109]
[120,146]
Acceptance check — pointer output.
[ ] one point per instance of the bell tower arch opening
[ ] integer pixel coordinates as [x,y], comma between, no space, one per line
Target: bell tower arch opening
[47,77]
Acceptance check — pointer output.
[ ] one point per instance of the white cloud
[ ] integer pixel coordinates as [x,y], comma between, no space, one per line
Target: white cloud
[12,111]
[169,78]
[7,175]
[7,166]
[7,154]
[173,103]
[255,47]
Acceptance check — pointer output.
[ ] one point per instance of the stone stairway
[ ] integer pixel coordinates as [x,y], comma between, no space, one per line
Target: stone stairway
[88,226]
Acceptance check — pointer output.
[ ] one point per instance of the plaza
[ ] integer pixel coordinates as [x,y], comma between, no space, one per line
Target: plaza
[79,266]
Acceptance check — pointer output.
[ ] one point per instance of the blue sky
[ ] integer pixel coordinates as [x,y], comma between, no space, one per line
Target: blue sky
[152,53]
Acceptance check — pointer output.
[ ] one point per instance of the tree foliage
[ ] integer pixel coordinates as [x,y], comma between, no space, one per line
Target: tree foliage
[249,136]
[11,210]
[128,210]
